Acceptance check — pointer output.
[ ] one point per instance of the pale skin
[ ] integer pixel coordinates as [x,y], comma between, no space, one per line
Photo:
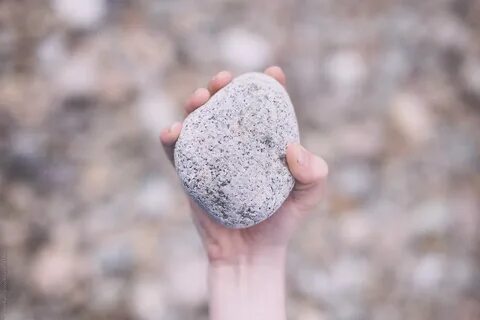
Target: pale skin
[246,273]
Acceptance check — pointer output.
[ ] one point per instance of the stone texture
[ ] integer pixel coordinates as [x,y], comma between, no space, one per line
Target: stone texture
[230,155]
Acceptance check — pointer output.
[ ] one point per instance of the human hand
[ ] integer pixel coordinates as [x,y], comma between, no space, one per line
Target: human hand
[246,266]
[230,246]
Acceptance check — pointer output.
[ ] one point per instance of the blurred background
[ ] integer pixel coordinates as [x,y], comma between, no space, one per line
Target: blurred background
[94,224]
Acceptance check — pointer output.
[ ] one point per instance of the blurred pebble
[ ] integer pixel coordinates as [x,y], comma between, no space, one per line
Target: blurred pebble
[412,119]
[346,69]
[350,277]
[356,230]
[153,198]
[56,271]
[51,52]
[359,140]
[77,76]
[470,73]
[354,180]
[115,259]
[244,51]
[148,299]
[429,273]
[431,217]
[107,294]
[80,14]
[155,111]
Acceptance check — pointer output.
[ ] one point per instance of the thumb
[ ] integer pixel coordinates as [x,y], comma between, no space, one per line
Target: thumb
[309,170]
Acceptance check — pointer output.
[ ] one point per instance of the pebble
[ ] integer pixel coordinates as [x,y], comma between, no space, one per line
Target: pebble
[115,259]
[80,14]
[244,50]
[155,110]
[148,299]
[77,76]
[430,218]
[56,271]
[412,118]
[230,155]
[152,199]
[355,180]
[346,69]
[429,272]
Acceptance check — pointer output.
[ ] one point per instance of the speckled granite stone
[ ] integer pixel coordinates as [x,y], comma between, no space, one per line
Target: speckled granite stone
[230,155]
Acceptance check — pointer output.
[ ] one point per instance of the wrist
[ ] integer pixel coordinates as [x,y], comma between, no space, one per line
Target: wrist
[273,257]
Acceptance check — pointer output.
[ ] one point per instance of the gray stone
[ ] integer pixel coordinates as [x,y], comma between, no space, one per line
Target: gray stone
[230,155]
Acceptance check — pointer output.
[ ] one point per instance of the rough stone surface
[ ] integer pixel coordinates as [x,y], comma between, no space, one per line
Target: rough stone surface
[230,155]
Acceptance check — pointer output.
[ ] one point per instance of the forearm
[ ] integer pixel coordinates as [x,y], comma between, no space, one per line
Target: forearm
[249,290]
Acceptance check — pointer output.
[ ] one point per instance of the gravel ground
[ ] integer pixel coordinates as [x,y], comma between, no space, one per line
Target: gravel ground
[94,224]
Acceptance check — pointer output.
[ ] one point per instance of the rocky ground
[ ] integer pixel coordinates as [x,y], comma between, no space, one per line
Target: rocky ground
[94,224]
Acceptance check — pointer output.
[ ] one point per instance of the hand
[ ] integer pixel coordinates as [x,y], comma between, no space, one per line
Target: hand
[246,266]
[231,246]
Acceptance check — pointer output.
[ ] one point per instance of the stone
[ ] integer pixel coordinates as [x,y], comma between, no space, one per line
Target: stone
[231,153]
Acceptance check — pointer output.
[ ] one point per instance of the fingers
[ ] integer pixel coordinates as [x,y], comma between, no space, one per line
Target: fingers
[277,73]
[168,137]
[308,169]
[219,81]
[201,95]
[198,98]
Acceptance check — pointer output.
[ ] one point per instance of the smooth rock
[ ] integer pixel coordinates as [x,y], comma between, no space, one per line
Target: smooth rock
[230,155]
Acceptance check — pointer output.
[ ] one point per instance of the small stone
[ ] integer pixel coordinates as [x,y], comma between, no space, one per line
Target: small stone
[230,155]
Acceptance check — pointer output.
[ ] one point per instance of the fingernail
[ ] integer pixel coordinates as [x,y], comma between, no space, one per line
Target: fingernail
[221,74]
[301,155]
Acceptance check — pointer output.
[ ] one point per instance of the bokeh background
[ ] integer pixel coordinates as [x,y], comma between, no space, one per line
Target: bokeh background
[94,224]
